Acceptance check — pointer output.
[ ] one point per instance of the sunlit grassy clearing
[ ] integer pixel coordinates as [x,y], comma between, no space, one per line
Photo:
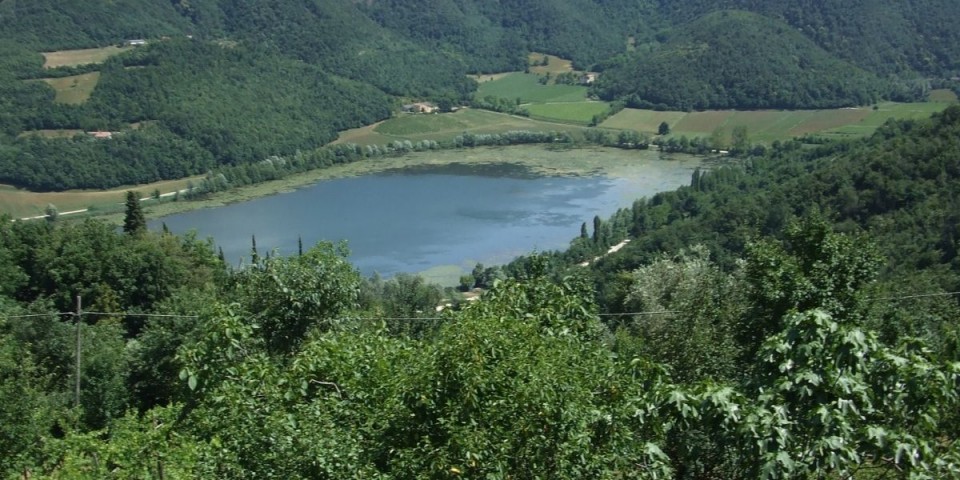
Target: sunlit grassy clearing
[69,58]
[769,125]
[942,95]
[554,64]
[70,133]
[74,90]
[528,89]
[577,112]
[445,126]
[22,203]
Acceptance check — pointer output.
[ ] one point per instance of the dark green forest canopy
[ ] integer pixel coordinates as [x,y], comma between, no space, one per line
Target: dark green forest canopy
[734,59]
[351,62]
[876,35]
[203,105]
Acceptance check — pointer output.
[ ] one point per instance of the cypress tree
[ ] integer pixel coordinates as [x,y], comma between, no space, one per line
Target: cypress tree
[133,220]
[597,226]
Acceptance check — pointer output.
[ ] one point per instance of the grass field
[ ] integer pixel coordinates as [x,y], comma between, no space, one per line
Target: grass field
[527,88]
[554,64]
[51,133]
[445,126]
[886,111]
[74,90]
[489,77]
[769,125]
[21,203]
[68,58]
[943,95]
[574,112]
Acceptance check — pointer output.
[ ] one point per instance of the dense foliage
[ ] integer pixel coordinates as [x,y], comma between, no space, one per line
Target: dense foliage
[736,59]
[203,105]
[272,78]
[812,333]
[879,36]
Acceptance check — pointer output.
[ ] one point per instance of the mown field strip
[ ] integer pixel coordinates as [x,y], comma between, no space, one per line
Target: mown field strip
[74,90]
[70,58]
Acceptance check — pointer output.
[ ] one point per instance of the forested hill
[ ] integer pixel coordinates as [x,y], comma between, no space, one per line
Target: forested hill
[734,59]
[877,35]
[199,105]
[367,58]
[46,25]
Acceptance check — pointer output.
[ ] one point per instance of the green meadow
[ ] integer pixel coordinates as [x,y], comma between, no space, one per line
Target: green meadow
[573,112]
[446,126]
[527,87]
[770,125]
[74,90]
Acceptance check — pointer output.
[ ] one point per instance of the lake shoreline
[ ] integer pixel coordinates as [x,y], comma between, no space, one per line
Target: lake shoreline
[532,158]
[429,213]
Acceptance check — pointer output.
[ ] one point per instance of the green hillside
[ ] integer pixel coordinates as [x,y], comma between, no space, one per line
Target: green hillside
[735,59]
[205,106]
[682,55]
[46,25]
[877,35]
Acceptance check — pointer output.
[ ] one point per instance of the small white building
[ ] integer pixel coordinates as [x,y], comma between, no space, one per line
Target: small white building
[420,107]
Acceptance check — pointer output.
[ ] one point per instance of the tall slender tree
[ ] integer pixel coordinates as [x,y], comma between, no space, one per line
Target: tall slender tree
[134,222]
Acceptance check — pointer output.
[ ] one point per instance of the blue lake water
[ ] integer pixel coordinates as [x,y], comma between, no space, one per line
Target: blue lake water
[417,219]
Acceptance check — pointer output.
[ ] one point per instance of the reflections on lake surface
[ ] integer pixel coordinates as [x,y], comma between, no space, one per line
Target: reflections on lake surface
[414,219]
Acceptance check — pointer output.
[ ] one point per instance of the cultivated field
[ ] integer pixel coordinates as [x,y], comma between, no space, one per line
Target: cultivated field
[69,58]
[74,90]
[554,64]
[643,120]
[51,133]
[527,87]
[769,125]
[884,112]
[21,203]
[943,95]
[573,112]
[489,77]
[445,126]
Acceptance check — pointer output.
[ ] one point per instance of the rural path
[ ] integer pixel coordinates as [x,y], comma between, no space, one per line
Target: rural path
[84,210]
[38,217]
[613,249]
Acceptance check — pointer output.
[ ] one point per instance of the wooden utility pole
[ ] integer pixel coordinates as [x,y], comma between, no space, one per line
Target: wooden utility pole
[78,351]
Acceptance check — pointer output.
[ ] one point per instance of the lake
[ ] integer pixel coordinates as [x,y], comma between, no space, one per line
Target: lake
[435,218]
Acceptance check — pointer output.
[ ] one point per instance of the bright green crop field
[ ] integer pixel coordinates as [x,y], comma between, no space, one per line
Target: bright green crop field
[527,87]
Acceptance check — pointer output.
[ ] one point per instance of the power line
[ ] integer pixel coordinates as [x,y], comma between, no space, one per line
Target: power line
[32,315]
[656,312]
[125,314]
[652,312]
[922,295]
[86,312]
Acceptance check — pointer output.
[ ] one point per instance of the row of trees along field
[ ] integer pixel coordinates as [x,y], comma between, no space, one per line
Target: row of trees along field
[811,334]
